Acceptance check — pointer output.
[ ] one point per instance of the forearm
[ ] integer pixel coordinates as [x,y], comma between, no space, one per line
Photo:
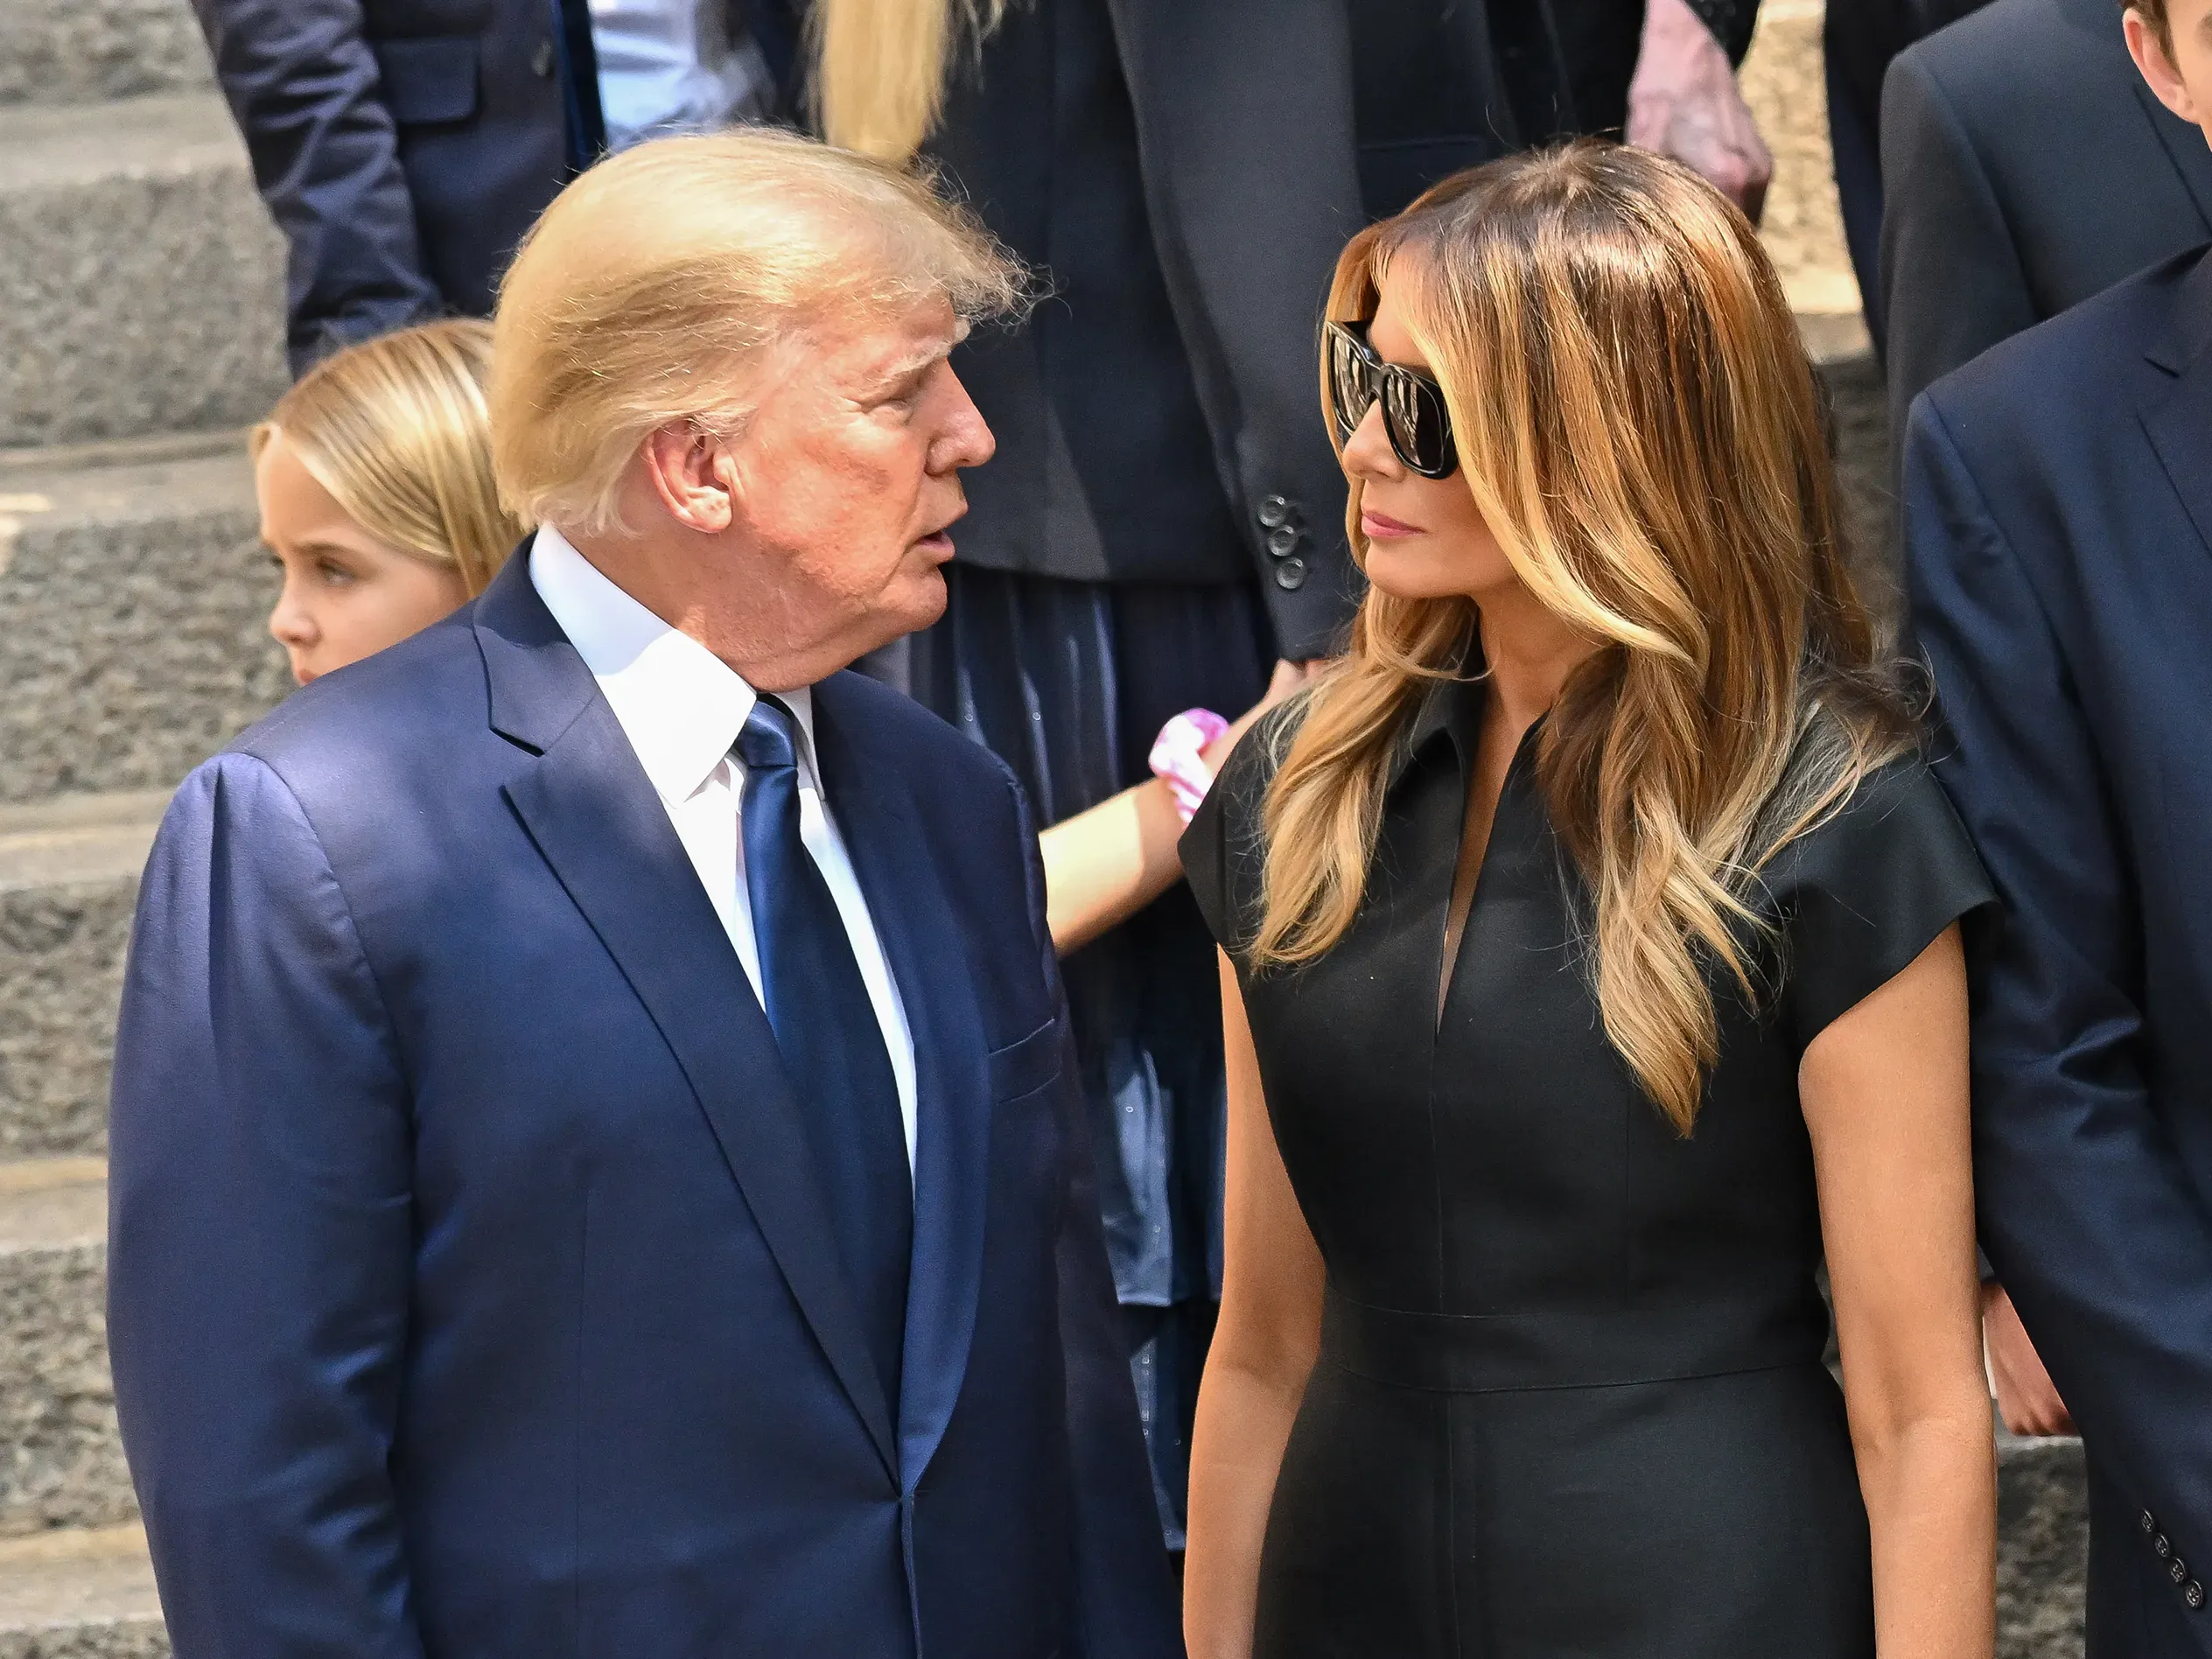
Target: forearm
[1931,1513]
[1105,865]
[1244,1418]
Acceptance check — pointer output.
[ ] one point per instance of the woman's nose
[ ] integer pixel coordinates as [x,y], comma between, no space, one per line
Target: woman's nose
[1368,452]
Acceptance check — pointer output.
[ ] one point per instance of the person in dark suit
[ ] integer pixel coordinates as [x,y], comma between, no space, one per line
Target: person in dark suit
[1858,41]
[404,146]
[2058,522]
[595,1161]
[1995,222]
[1164,520]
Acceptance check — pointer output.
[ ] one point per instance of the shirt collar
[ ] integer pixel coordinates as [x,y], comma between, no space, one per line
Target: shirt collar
[681,706]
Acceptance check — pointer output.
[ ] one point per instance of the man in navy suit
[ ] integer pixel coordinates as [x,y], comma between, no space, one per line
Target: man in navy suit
[2058,517]
[595,1168]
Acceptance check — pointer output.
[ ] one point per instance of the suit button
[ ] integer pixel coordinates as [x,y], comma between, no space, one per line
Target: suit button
[2178,1569]
[1283,541]
[2192,1593]
[542,60]
[2162,1545]
[2148,1522]
[1290,575]
[1275,512]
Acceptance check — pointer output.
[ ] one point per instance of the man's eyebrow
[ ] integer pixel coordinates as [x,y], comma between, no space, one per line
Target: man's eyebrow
[927,357]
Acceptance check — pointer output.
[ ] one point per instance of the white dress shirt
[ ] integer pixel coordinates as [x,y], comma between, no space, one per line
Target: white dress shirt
[682,707]
[670,66]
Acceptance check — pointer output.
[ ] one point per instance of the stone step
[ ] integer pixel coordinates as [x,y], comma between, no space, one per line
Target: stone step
[83,51]
[68,877]
[61,1461]
[134,599]
[143,288]
[80,1594]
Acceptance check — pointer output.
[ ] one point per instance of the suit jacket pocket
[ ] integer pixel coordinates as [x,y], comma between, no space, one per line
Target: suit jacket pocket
[431,80]
[1024,1067]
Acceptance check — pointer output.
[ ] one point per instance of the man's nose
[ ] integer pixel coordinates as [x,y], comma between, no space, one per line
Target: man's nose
[967,439]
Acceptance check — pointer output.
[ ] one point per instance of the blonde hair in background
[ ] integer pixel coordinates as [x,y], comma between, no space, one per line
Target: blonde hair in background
[396,429]
[1638,422]
[881,65]
[658,283]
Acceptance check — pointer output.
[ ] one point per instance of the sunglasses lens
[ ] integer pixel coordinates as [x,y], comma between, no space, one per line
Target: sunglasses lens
[1349,387]
[1419,428]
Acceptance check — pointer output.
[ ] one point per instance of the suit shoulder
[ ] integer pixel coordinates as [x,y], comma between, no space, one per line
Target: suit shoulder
[1982,60]
[422,692]
[2098,345]
[924,743]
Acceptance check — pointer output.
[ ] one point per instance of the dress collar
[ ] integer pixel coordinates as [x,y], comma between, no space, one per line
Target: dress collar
[681,706]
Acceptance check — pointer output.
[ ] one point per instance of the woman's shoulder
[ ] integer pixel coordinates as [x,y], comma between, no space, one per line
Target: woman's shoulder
[1224,850]
[1868,886]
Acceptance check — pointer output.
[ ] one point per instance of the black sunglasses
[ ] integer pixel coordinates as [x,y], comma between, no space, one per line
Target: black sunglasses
[1414,416]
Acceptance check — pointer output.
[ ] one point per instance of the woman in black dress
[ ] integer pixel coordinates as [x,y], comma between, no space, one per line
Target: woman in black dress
[1589,967]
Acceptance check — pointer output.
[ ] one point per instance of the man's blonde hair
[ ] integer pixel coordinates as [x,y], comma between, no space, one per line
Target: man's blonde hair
[395,430]
[656,285]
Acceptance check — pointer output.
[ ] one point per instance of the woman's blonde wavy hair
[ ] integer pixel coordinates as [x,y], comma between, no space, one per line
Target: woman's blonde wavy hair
[395,430]
[1638,422]
[880,68]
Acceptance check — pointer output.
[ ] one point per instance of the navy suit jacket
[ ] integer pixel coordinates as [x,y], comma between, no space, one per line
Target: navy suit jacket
[2058,518]
[471,1290]
[404,146]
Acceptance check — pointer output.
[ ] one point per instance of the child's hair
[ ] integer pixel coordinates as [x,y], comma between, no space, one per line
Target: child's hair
[395,430]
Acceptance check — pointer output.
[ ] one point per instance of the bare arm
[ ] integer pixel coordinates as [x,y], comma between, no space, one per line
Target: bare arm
[1263,1353]
[1105,865]
[1885,1095]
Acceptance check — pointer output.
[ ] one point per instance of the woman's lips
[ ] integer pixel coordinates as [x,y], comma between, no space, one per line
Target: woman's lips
[1381,527]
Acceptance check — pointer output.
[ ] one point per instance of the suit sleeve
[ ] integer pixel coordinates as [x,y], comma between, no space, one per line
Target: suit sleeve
[1251,179]
[305,89]
[1952,282]
[2086,1213]
[260,1237]
[1122,1605]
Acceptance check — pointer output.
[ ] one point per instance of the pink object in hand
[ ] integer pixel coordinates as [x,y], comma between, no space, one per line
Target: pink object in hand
[1178,757]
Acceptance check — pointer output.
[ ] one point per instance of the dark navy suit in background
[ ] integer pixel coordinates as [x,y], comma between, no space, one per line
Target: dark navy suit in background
[404,146]
[2058,517]
[473,1290]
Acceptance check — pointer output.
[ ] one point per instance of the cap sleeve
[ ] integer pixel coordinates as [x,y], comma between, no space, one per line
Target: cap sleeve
[1863,895]
[1224,850]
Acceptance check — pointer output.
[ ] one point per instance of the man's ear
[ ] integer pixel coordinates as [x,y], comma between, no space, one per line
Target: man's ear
[2157,66]
[694,476]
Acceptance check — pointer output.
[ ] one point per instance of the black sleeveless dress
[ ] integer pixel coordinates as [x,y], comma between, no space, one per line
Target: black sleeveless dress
[1570,1398]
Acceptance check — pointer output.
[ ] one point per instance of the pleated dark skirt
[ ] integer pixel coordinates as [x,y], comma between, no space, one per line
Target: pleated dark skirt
[1069,682]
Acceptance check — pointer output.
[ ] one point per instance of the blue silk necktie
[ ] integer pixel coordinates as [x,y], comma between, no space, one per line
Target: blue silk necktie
[832,1044]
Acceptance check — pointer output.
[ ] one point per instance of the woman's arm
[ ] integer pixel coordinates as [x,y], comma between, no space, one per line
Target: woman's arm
[1885,1094]
[1263,1352]
[1105,865]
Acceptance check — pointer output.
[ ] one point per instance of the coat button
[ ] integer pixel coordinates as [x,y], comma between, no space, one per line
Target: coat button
[1283,541]
[1275,512]
[2178,1569]
[2148,1522]
[1290,575]
[2162,1545]
[2192,1593]
[542,60]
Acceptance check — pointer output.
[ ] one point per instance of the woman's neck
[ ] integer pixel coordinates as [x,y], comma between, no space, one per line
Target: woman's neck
[1529,655]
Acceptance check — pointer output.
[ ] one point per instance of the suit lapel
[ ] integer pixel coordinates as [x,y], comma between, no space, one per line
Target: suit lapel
[2177,417]
[593,816]
[913,917]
